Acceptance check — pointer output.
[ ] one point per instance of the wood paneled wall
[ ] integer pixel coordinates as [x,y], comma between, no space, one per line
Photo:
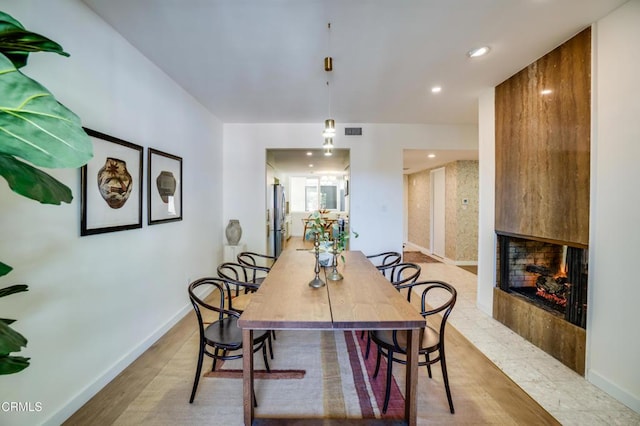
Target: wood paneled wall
[543,120]
[548,331]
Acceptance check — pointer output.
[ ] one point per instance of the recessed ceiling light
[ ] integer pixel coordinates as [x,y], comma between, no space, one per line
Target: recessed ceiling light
[546,92]
[478,51]
[309,153]
[436,89]
[431,156]
[310,165]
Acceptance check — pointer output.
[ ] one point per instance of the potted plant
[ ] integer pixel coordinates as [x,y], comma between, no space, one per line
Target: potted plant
[35,131]
[331,241]
[327,235]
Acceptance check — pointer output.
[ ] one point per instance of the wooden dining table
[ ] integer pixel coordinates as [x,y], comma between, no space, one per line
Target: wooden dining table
[362,300]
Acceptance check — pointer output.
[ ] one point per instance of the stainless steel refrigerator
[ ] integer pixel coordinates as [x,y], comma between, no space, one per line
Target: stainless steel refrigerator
[277,219]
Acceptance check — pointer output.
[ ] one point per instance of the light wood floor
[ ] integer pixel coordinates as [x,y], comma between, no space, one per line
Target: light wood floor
[482,393]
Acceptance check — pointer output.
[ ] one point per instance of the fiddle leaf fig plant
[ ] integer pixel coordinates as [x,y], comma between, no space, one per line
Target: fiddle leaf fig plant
[35,131]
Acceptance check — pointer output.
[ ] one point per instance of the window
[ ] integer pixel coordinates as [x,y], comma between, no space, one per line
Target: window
[317,193]
[328,197]
[311,195]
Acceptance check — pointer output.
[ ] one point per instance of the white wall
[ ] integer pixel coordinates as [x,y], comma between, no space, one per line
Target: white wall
[613,341]
[486,211]
[96,302]
[376,180]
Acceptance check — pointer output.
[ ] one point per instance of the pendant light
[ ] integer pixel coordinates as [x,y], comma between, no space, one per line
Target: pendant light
[329,124]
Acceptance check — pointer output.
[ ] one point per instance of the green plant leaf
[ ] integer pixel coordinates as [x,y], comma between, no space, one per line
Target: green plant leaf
[5,269]
[12,364]
[33,183]
[10,340]
[17,288]
[5,18]
[36,127]
[7,320]
[16,42]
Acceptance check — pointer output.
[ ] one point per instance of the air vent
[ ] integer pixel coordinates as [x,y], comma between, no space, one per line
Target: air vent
[353,131]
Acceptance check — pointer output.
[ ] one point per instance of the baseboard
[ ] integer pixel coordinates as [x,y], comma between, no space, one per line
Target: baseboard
[618,393]
[414,247]
[77,401]
[465,262]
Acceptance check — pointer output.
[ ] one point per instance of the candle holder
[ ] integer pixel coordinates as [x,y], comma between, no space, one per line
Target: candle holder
[316,282]
[334,275]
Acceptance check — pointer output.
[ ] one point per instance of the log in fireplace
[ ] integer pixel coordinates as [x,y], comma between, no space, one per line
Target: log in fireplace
[549,275]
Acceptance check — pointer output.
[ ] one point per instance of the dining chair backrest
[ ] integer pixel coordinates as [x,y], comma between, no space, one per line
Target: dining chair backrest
[256,259]
[401,273]
[244,277]
[385,259]
[433,301]
[241,272]
[217,291]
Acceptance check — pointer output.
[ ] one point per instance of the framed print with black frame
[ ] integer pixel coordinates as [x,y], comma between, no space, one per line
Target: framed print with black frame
[164,187]
[111,186]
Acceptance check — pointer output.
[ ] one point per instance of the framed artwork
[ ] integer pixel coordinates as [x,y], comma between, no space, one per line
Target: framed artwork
[111,186]
[164,187]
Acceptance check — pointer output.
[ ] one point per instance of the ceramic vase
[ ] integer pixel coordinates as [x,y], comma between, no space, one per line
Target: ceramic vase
[233,232]
[166,184]
[114,182]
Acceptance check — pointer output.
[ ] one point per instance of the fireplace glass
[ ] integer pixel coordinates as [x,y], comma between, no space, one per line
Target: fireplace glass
[552,276]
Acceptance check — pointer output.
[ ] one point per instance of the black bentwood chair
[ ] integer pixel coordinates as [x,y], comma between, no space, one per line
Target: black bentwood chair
[244,278]
[385,259]
[220,336]
[401,273]
[247,278]
[431,337]
[256,259]
[397,274]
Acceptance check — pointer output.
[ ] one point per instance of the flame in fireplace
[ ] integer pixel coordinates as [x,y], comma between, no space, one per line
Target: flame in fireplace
[551,297]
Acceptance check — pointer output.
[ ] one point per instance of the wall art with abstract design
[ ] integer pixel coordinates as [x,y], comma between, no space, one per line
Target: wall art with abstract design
[164,187]
[111,195]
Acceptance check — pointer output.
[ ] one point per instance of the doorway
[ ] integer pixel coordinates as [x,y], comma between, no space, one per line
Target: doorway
[447,229]
[311,182]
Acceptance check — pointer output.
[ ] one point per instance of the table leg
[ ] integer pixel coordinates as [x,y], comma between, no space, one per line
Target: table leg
[410,405]
[247,375]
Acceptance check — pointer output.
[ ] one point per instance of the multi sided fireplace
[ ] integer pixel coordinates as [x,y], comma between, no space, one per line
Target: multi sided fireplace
[541,294]
[551,276]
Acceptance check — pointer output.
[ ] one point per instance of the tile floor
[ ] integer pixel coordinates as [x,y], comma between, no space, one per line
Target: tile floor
[562,392]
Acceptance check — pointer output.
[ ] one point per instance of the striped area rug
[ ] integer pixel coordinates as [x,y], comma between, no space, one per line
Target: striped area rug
[371,390]
[318,375]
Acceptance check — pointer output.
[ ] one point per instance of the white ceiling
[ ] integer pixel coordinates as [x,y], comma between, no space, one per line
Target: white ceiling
[416,160]
[297,161]
[261,61]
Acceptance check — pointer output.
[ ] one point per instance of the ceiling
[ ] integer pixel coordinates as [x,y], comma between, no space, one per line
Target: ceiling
[416,160]
[297,161]
[261,61]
